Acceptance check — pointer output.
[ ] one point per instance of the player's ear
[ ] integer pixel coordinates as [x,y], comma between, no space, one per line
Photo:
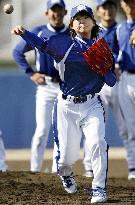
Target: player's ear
[71,24]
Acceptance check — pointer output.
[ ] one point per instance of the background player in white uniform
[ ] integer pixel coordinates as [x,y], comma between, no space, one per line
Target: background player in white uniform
[106,11]
[78,104]
[3,165]
[46,78]
[127,81]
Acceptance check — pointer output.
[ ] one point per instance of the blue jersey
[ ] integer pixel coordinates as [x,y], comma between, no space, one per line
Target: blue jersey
[109,34]
[44,62]
[127,52]
[78,79]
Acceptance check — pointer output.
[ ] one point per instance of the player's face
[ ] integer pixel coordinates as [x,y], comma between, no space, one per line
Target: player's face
[128,7]
[56,15]
[107,12]
[83,24]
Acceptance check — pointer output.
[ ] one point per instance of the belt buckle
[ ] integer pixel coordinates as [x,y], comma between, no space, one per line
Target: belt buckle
[76,100]
[80,99]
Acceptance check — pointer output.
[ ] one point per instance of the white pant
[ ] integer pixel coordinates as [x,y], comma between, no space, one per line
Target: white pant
[45,96]
[127,103]
[70,121]
[109,96]
[3,165]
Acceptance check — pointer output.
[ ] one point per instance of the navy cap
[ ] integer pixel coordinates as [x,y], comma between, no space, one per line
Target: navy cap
[79,8]
[51,3]
[101,2]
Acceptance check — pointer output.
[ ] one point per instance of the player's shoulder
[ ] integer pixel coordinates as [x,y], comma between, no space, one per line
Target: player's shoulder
[61,39]
[38,29]
[121,26]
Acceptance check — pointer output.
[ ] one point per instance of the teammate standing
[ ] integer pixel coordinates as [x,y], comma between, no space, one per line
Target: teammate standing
[106,11]
[46,78]
[78,104]
[126,60]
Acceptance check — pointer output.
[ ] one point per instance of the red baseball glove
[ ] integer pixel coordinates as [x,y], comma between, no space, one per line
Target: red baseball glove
[99,56]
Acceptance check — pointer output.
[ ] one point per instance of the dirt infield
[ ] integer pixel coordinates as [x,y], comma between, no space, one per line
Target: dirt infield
[21,187]
[25,188]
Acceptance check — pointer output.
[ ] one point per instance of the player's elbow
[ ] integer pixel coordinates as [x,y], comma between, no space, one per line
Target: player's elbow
[110,79]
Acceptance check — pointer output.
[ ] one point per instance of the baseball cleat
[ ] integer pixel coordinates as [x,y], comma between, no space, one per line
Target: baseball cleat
[98,195]
[89,174]
[131,176]
[69,184]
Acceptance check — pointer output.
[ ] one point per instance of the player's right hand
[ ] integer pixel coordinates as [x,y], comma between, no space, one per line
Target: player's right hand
[18,30]
[38,78]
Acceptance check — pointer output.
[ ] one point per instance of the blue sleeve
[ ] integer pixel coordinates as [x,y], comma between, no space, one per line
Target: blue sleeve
[19,53]
[55,46]
[110,77]
[35,41]
[19,56]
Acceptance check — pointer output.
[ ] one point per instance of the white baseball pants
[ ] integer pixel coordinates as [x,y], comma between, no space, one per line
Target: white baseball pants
[70,121]
[45,96]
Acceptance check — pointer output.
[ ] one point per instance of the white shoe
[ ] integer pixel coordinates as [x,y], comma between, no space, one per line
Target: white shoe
[69,184]
[89,174]
[98,195]
[131,175]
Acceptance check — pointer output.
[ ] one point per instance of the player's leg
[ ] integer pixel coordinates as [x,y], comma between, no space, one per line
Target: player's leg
[87,161]
[94,130]
[3,165]
[105,94]
[67,139]
[44,104]
[127,103]
[117,112]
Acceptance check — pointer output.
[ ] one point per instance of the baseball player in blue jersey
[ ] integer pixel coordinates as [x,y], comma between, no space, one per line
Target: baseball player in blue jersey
[78,103]
[46,77]
[126,60]
[106,11]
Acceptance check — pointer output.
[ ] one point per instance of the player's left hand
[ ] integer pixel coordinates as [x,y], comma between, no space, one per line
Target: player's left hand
[38,78]
[132,38]
[18,30]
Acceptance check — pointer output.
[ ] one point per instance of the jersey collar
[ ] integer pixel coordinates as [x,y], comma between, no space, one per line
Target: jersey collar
[53,30]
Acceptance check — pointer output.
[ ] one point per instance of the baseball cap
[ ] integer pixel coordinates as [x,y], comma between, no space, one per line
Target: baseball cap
[101,2]
[79,8]
[51,3]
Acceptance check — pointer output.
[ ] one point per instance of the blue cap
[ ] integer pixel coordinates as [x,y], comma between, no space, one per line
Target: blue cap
[79,8]
[101,2]
[51,3]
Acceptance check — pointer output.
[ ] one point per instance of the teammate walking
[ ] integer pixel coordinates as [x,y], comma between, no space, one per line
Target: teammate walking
[106,11]
[126,60]
[78,103]
[46,78]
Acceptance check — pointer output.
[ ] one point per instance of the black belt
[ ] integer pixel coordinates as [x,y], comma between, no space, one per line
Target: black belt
[78,99]
[131,71]
[54,79]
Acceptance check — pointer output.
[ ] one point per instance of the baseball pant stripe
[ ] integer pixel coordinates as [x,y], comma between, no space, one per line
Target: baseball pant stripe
[55,131]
